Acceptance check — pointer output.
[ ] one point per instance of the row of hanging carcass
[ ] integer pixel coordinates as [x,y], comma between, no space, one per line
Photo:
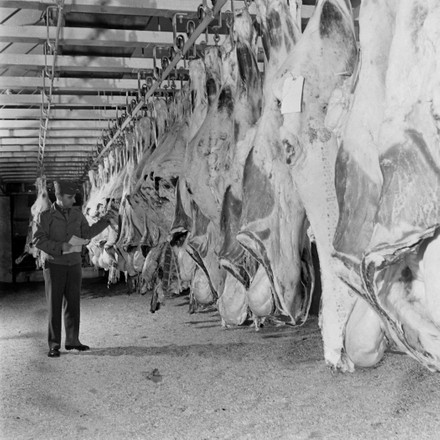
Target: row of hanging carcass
[337,143]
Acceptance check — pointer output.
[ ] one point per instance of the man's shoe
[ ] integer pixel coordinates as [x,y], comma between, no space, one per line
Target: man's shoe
[54,353]
[79,347]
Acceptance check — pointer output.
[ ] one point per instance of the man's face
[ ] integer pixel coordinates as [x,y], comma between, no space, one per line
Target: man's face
[66,200]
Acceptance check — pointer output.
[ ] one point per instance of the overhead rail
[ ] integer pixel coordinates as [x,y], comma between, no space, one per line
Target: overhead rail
[209,16]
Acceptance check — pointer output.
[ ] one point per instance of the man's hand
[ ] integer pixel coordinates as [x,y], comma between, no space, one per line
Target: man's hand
[66,247]
[110,216]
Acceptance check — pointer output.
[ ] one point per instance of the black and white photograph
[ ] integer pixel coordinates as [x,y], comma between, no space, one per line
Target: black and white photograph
[219,219]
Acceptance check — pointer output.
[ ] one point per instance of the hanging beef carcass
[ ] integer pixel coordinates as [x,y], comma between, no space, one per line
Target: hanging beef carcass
[41,204]
[148,197]
[104,193]
[145,223]
[268,213]
[189,227]
[395,248]
[324,56]
[356,113]
[234,96]
[234,107]
[142,143]
[150,204]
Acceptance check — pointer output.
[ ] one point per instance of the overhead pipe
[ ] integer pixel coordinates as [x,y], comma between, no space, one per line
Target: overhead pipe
[209,16]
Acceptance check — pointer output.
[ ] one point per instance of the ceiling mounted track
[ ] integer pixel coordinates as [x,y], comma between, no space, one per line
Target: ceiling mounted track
[209,15]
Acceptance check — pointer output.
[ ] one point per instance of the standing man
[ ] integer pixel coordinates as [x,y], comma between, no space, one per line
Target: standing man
[62,263]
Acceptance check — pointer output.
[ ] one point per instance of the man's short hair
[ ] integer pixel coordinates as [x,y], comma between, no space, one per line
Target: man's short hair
[65,187]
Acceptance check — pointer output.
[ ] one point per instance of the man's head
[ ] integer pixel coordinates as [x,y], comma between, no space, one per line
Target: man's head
[65,193]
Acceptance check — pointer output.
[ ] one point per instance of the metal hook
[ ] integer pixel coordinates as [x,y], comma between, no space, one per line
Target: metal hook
[202,10]
[217,28]
[190,27]
[139,85]
[165,63]
[180,42]
[174,22]
[154,61]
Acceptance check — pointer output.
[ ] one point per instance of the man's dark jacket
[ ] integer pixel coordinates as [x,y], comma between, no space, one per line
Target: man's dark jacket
[55,228]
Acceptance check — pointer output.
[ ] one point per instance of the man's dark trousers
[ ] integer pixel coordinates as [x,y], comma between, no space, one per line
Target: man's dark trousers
[63,282]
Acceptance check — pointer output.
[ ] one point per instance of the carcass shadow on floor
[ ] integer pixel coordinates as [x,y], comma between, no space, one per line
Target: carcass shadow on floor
[206,321]
[203,350]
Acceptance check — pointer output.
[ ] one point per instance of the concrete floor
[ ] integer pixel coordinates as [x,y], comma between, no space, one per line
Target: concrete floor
[171,375]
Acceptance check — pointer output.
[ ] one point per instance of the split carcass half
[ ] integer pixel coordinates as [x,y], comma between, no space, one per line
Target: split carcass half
[151,203]
[396,248]
[356,114]
[105,193]
[190,224]
[234,107]
[41,204]
[141,143]
[272,218]
[325,55]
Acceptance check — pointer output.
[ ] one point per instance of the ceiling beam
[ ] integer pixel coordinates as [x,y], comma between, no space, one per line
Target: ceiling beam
[49,141]
[30,177]
[57,114]
[23,160]
[10,124]
[127,7]
[65,100]
[66,85]
[30,169]
[17,133]
[52,149]
[145,8]
[12,174]
[34,171]
[79,63]
[89,36]
[54,154]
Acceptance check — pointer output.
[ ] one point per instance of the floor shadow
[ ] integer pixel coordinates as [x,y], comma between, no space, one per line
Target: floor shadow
[182,304]
[27,335]
[231,350]
[205,321]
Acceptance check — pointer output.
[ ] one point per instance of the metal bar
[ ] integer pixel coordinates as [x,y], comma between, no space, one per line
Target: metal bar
[197,32]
